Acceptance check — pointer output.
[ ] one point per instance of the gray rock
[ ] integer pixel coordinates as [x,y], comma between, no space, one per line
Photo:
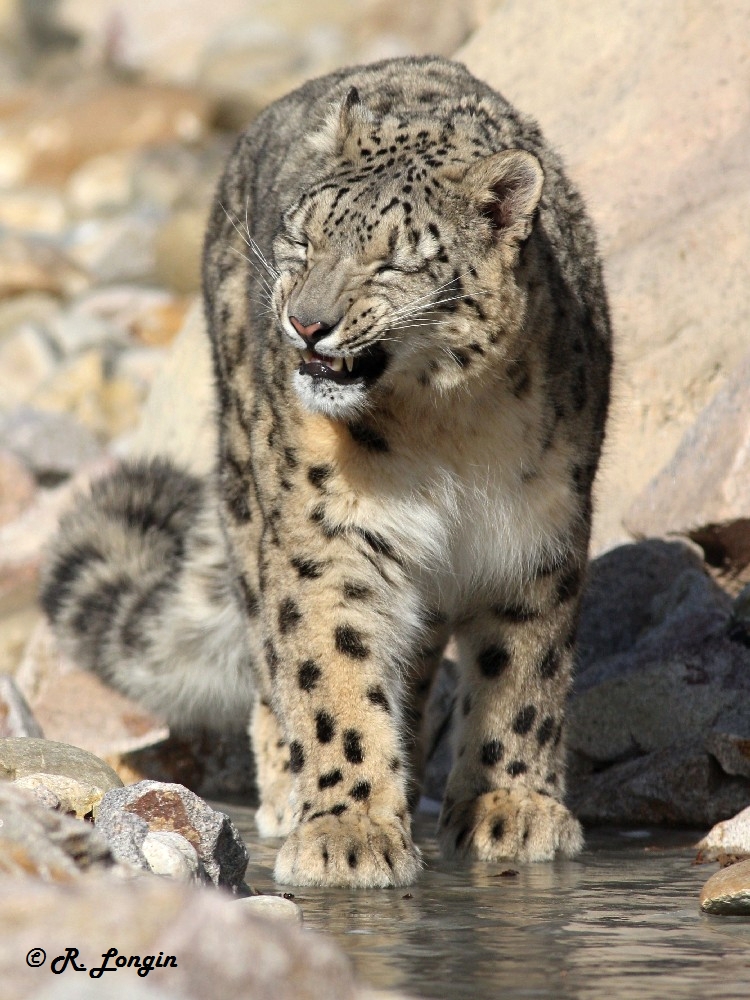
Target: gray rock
[124,832]
[16,718]
[36,841]
[678,785]
[166,806]
[728,891]
[732,836]
[21,757]
[52,445]
[731,751]
[660,679]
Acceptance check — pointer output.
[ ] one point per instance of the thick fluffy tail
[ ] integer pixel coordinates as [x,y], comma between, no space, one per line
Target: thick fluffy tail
[139,588]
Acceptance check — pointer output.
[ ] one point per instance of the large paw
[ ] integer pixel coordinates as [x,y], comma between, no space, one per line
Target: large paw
[510,823]
[349,850]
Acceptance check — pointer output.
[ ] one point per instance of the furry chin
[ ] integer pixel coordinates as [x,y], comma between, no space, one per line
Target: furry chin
[340,402]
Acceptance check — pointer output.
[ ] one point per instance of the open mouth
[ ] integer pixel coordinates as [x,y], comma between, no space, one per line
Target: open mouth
[365,366]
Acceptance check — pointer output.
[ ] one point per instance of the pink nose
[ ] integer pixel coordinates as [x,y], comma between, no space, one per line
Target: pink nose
[308,332]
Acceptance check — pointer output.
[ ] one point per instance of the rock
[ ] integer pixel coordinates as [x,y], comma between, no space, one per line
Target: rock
[732,836]
[437,729]
[106,406]
[72,797]
[38,212]
[16,626]
[272,908]
[171,854]
[731,751]
[659,675]
[678,324]
[177,250]
[173,807]
[124,833]
[678,785]
[216,765]
[220,950]
[16,718]
[727,892]
[74,706]
[36,841]
[27,360]
[116,248]
[707,481]
[52,445]
[23,756]
[133,315]
[33,308]
[48,141]
[177,419]
[17,486]
[73,331]
[21,543]
[102,184]
[34,266]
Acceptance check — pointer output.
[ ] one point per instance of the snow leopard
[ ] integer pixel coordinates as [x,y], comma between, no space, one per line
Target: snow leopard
[411,353]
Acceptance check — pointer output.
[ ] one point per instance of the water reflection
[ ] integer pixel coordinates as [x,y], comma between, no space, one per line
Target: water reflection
[620,922]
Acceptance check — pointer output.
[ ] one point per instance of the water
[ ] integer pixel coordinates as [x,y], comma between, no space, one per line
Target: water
[619,922]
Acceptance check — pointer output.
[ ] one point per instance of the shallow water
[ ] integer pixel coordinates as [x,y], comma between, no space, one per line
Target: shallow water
[620,921]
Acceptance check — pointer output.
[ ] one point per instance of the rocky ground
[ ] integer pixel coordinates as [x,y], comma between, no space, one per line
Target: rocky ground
[114,122]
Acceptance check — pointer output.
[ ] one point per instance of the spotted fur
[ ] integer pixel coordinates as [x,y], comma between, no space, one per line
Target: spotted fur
[411,347]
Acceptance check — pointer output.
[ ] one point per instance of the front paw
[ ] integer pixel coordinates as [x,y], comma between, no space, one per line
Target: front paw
[516,824]
[352,849]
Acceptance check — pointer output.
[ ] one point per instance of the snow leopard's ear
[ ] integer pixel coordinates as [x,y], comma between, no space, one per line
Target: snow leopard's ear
[507,187]
[342,120]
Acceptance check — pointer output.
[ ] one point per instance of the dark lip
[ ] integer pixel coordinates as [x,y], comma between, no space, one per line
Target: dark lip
[369,365]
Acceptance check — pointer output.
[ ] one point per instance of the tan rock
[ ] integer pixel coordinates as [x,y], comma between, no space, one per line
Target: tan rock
[272,908]
[17,486]
[177,418]
[27,361]
[704,490]
[102,184]
[178,250]
[54,136]
[16,718]
[16,627]
[731,836]
[23,756]
[106,406]
[41,212]
[36,841]
[29,307]
[28,265]
[707,481]
[219,950]
[73,706]
[662,166]
[727,892]
[73,797]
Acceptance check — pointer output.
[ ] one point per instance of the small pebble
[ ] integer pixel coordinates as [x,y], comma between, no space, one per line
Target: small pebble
[171,854]
[272,907]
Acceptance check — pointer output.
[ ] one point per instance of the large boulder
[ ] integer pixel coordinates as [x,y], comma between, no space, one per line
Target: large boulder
[703,492]
[660,711]
[662,163]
